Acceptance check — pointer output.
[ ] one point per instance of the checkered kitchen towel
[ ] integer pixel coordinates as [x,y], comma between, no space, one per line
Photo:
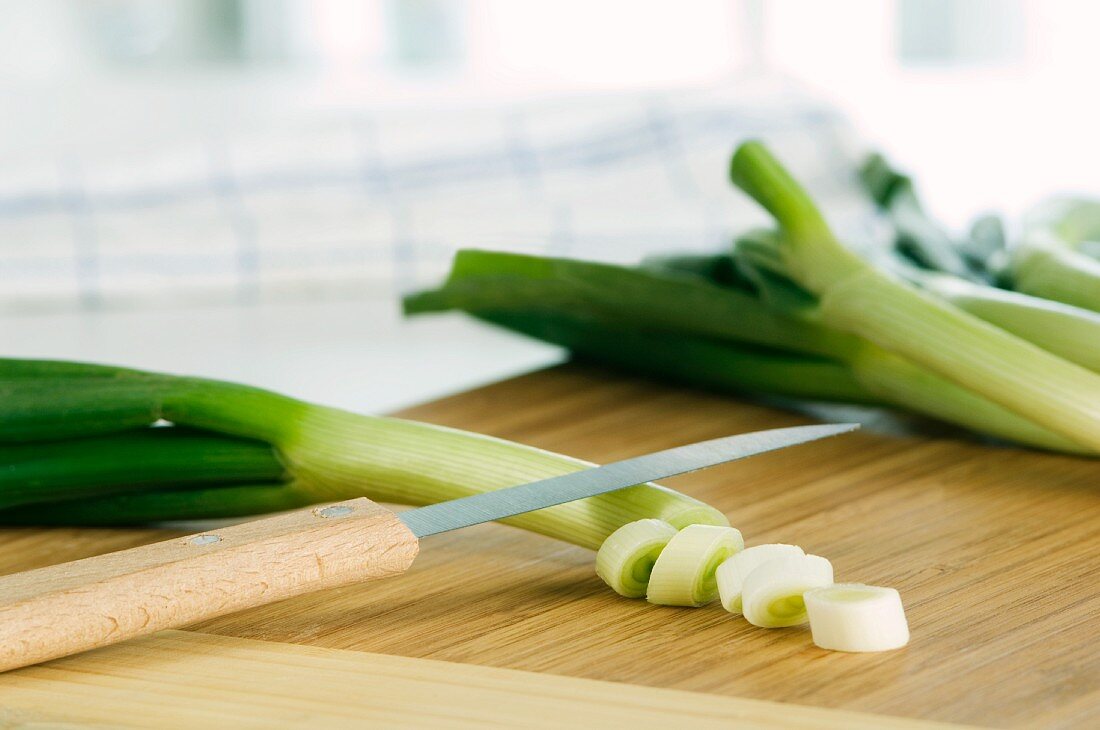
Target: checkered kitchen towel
[374,203]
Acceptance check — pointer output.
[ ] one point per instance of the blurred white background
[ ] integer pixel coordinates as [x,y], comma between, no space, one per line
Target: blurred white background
[241,188]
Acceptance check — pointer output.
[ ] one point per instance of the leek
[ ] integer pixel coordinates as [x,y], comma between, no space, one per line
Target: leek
[856,617]
[1057,256]
[1054,259]
[327,453]
[714,364]
[625,559]
[726,339]
[489,281]
[1070,332]
[918,237]
[859,299]
[1073,220]
[772,594]
[684,572]
[732,573]
[1044,266]
[151,458]
[985,245]
[1047,263]
[168,505]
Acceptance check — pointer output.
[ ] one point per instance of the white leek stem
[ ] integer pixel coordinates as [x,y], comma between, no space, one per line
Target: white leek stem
[732,573]
[1007,370]
[1067,331]
[772,593]
[340,455]
[856,617]
[625,560]
[684,572]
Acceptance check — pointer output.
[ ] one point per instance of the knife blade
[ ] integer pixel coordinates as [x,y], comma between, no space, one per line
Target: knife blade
[72,607]
[501,503]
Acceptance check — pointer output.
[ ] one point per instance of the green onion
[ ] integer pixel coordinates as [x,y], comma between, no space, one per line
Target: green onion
[328,453]
[684,572]
[857,298]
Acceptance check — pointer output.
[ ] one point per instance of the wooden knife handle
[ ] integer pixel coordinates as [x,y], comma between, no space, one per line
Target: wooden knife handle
[72,607]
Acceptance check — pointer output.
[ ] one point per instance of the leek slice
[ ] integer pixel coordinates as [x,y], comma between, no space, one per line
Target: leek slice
[772,593]
[684,572]
[732,573]
[856,617]
[626,558]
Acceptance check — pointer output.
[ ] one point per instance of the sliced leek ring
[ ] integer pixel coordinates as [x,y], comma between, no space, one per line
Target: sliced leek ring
[856,617]
[684,572]
[771,595]
[626,557]
[732,573]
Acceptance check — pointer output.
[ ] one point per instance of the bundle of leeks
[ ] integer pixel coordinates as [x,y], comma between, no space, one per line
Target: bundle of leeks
[1002,340]
[85,444]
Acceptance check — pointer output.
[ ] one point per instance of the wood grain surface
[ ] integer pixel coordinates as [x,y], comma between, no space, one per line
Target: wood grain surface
[63,609]
[996,553]
[189,680]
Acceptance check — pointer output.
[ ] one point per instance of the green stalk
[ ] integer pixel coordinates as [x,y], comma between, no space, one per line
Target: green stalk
[29,370]
[857,298]
[713,364]
[1044,267]
[889,377]
[917,235]
[1070,332]
[716,268]
[985,245]
[893,379]
[1073,220]
[93,405]
[139,508]
[334,454]
[1057,255]
[610,333]
[495,281]
[812,255]
[152,458]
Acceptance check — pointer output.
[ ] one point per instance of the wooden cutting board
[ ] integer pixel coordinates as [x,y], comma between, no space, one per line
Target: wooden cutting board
[996,553]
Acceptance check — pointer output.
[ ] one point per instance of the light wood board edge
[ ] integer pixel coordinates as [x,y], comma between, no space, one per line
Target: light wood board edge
[187,679]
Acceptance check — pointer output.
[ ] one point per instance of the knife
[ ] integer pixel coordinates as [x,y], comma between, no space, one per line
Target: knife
[71,607]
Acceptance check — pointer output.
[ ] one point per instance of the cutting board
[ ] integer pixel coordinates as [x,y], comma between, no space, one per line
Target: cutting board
[996,553]
[188,680]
